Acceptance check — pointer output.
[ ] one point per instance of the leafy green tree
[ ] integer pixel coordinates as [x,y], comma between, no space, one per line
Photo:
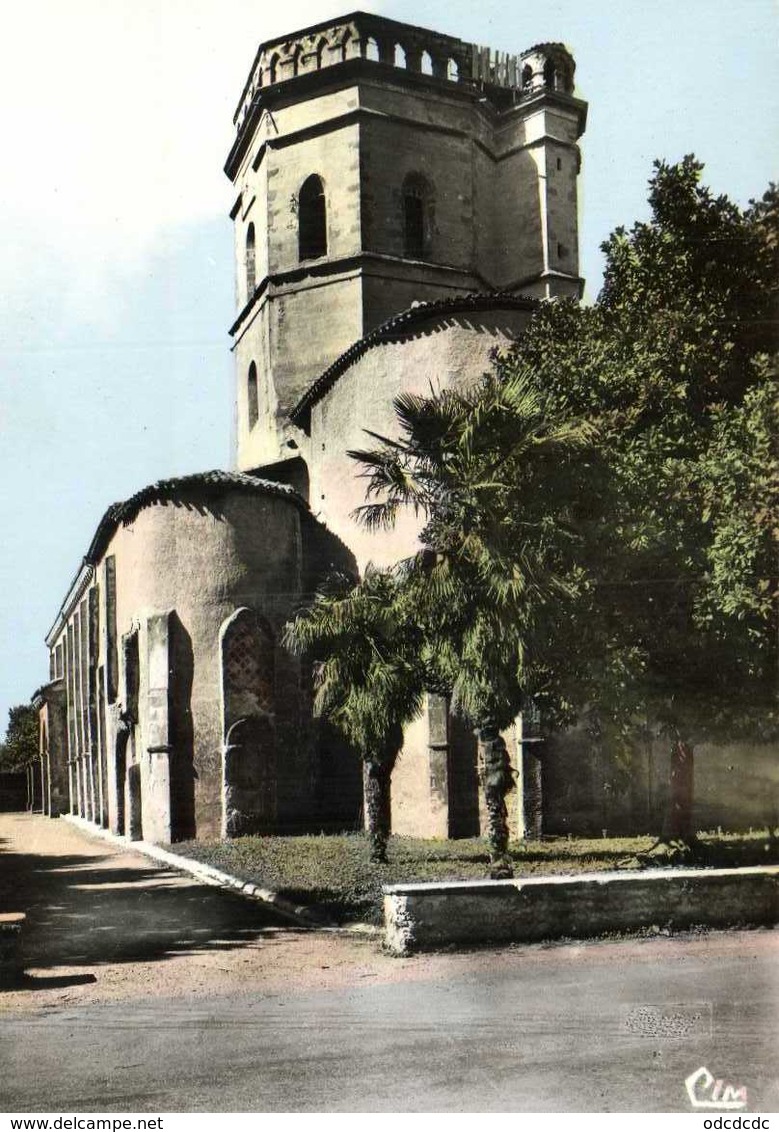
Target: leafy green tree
[20,746]
[494,478]
[672,364]
[366,654]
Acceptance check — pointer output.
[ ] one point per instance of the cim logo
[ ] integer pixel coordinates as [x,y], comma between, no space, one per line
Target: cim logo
[707,1091]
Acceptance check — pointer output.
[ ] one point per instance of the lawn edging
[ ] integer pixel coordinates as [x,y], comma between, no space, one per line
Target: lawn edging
[297,913]
[430,916]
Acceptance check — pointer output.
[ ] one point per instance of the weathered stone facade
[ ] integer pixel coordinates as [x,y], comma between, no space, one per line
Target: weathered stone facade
[404,200]
[443,169]
[182,714]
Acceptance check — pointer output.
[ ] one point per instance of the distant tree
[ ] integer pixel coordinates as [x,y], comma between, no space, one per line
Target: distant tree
[21,738]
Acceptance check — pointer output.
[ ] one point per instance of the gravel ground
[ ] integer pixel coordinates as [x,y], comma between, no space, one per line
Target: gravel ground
[105,923]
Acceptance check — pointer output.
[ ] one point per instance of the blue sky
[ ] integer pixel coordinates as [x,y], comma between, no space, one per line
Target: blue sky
[117,266]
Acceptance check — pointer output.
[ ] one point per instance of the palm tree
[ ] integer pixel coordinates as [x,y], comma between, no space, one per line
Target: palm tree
[493,476]
[367,676]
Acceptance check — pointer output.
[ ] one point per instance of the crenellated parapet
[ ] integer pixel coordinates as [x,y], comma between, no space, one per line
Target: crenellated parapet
[405,47]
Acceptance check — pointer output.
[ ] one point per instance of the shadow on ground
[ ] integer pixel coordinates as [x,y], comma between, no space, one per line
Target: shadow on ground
[83,909]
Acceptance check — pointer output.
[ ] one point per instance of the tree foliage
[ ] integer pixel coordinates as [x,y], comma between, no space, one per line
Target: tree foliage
[599,516]
[367,673]
[676,365]
[493,475]
[20,746]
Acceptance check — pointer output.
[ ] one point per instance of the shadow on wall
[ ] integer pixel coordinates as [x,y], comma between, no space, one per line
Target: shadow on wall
[13,791]
[182,800]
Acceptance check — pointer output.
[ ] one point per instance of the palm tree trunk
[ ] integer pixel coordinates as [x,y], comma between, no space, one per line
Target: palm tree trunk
[376,776]
[496,779]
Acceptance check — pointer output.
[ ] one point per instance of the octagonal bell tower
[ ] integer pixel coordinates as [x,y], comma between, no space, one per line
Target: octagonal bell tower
[378,164]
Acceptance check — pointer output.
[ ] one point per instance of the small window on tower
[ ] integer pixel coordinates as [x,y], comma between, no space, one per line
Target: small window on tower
[253,398]
[416,216]
[312,219]
[251,270]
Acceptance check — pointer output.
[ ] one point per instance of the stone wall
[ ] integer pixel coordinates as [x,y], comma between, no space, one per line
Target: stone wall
[589,788]
[443,352]
[421,917]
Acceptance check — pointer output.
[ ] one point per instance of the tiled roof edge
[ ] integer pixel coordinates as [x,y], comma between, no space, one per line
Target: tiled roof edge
[396,327]
[211,484]
[168,489]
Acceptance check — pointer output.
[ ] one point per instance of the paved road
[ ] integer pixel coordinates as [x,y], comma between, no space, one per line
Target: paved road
[565,1029]
[153,994]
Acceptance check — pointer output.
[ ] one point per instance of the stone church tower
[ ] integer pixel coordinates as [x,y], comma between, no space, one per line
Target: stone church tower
[403,202]
[380,165]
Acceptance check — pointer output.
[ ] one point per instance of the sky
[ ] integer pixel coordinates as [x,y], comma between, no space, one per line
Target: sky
[116,269]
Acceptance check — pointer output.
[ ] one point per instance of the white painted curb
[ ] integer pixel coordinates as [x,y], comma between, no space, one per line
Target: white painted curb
[298,913]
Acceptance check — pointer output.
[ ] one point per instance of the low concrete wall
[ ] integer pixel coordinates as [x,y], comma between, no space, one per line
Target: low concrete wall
[422,917]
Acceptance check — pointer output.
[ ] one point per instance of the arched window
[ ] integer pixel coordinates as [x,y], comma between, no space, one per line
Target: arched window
[417,200]
[400,56]
[312,219]
[251,267]
[527,75]
[452,70]
[550,75]
[248,707]
[248,666]
[253,396]
[426,66]
[372,50]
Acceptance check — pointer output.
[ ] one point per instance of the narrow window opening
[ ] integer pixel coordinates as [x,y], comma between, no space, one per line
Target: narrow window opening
[549,74]
[312,219]
[427,63]
[414,208]
[273,68]
[372,50]
[251,264]
[417,216]
[400,56]
[527,75]
[452,71]
[253,398]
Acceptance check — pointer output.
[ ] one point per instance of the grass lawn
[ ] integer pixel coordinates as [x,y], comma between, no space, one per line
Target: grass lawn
[332,874]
